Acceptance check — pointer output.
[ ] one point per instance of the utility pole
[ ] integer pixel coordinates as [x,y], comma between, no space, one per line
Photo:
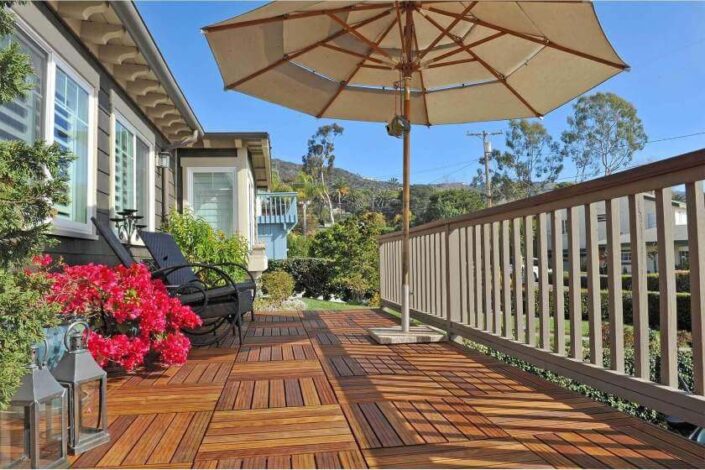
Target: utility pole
[487,148]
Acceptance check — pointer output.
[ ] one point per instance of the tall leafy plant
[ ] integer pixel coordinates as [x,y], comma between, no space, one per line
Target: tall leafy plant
[200,243]
[33,179]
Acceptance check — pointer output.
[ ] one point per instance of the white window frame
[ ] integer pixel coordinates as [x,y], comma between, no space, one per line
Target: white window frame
[127,123]
[64,227]
[188,193]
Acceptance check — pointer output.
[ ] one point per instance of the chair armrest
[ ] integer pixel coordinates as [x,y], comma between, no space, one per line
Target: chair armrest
[225,276]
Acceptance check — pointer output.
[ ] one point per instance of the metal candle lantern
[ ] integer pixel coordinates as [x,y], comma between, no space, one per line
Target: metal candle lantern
[86,384]
[33,428]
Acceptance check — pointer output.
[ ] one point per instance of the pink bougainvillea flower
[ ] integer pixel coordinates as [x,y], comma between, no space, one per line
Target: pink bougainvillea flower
[131,313]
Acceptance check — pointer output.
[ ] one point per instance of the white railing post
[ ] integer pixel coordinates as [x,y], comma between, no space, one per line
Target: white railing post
[696,261]
[667,287]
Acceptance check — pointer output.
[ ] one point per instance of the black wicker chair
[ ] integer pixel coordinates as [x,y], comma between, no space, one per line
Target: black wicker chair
[215,305]
[197,283]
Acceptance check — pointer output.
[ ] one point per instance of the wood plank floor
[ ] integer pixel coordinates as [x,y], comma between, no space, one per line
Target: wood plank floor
[312,390]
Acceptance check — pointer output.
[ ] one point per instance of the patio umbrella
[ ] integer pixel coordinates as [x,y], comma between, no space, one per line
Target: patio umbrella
[415,63]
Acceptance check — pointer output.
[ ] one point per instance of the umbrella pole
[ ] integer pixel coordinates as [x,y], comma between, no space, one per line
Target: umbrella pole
[406,211]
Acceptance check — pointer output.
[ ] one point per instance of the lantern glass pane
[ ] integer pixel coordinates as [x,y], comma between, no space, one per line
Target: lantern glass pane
[89,408]
[50,437]
[13,435]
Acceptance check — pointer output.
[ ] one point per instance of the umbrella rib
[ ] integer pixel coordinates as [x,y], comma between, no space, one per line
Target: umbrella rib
[423,85]
[538,40]
[501,78]
[353,53]
[294,16]
[463,48]
[288,57]
[446,30]
[344,83]
[361,37]
[449,63]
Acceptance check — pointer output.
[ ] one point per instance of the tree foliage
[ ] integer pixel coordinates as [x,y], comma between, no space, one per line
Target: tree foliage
[452,203]
[603,134]
[320,160]
[352,247]
[532,161]
[32,179]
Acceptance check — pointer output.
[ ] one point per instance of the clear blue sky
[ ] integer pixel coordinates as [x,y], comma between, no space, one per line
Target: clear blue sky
[663,42]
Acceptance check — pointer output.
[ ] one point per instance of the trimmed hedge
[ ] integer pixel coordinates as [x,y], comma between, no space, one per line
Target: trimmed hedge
[312,276]
[682,281]
[682,307]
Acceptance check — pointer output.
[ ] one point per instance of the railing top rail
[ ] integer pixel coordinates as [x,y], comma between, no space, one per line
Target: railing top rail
[582,193]
[276,194]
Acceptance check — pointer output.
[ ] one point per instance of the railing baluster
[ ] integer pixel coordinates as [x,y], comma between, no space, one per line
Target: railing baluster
[696,260]
[444,270]
[530,281]
[640,306]
[383,271]
[544,309]
[462,274]
[594,302]
[575,310]
[440,258]
[506,282]
[614,284]
[470,235]
[486,243]
[517,263]
[667,287]
[558,287]
[496,281]
[478,316]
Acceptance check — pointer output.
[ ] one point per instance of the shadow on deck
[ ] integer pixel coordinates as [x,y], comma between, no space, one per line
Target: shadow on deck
[312,390]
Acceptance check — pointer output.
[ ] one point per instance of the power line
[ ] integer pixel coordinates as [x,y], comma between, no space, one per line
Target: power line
[676,137]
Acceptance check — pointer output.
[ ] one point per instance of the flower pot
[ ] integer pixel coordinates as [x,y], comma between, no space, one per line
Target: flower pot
[55,343]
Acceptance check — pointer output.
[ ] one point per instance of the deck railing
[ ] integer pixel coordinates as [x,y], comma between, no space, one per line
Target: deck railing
[277,208]
[463,279]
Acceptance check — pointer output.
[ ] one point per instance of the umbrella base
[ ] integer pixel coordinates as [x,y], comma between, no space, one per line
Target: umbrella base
[416,334]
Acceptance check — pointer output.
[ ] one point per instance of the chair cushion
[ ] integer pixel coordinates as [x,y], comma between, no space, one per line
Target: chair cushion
[216,295]
[219,295]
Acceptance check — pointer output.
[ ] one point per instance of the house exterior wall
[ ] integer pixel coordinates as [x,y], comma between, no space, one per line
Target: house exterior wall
[79,248]
[235,160]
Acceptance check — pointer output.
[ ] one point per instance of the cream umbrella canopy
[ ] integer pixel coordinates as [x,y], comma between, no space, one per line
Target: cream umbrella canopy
[434,62]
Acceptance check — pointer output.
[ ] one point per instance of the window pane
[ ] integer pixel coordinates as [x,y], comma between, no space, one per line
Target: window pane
[142,181]
[213,199]
[124,168]
[71,132]
[22,118]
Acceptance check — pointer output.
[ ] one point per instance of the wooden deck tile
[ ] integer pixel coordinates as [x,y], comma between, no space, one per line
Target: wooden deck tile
[311,390]
[166,399]
[276,432]
[275,369]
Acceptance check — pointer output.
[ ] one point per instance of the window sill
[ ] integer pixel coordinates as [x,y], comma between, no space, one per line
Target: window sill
[66,232]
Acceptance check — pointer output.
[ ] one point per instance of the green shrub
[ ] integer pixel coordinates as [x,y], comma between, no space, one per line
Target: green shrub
[200,243]
[312,276]
[297,245]
[278,285]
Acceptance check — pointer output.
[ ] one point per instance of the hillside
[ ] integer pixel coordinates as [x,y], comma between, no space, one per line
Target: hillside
[289,170]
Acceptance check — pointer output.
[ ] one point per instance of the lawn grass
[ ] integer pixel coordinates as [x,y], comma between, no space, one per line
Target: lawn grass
[315,304]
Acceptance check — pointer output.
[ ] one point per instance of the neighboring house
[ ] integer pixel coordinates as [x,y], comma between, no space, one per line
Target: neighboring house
[680,232]
[277,215]
[105,92]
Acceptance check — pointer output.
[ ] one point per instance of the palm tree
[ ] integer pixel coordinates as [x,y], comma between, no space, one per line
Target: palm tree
[342,189]
[307,190]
